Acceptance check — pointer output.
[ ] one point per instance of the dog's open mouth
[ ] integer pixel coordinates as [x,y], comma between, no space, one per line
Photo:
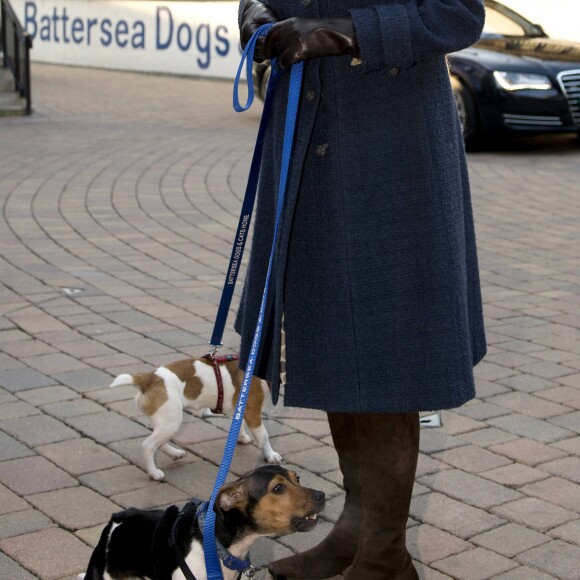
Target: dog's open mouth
[306,523]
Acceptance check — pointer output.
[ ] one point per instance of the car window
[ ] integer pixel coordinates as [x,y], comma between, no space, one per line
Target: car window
[497,24]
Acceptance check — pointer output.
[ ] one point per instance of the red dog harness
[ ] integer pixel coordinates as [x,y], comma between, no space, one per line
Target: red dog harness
[216,361]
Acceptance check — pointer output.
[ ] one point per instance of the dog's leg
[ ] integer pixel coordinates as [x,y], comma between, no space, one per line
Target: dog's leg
[253,418]
[263,441]
[244,437]
[159,437]
[166,422]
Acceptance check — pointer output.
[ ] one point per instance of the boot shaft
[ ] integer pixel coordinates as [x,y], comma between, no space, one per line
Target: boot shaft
[388,449]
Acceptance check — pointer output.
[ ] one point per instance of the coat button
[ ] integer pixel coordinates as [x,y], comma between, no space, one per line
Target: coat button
[310,95]
[395,71]
[321,150]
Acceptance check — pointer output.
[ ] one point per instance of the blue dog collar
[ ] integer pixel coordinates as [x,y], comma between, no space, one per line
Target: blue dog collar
[229,560]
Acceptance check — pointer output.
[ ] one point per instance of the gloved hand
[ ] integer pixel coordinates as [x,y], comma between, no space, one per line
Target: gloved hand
[254,14]
[299,39]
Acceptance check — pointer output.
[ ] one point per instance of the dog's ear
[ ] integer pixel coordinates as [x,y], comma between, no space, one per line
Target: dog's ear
[232,496]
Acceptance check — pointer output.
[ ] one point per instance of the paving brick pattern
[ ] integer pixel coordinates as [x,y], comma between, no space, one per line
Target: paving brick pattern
[126,188]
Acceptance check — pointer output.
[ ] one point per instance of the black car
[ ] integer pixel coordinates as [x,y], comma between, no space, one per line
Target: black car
[515,80]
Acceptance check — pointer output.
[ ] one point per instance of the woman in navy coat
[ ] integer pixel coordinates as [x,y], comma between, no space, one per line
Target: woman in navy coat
[376,274]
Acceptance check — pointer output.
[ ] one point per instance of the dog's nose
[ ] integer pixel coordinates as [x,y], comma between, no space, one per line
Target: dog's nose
[319,497]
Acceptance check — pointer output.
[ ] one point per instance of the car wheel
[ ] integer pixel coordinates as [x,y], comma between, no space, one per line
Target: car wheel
[466,111]
[265,81]
[260,71]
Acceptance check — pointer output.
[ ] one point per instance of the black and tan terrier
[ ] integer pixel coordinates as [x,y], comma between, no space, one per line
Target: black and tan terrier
[268,501]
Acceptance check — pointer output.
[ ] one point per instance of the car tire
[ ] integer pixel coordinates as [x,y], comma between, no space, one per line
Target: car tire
[467,114]
[264,83]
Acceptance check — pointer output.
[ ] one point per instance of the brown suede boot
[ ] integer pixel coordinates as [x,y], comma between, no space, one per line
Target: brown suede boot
[337,551]
[388,452]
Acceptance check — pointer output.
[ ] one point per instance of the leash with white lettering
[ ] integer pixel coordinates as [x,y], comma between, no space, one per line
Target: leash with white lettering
[241,236]
[211,557]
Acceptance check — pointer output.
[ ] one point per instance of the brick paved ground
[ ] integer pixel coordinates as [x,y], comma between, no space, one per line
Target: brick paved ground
[126,187]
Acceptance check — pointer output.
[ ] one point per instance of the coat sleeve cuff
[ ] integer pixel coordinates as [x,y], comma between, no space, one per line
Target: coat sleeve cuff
[384,37]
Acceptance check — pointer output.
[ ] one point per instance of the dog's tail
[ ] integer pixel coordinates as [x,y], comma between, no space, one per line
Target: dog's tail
[141,380]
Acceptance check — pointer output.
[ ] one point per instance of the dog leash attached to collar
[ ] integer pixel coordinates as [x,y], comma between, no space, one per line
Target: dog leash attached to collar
[229,560]
[209,542]
[245,220]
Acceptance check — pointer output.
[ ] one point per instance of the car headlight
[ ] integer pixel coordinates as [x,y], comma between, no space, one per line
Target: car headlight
[516,81]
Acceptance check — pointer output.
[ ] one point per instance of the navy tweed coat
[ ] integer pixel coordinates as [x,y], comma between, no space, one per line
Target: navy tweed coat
[376,268]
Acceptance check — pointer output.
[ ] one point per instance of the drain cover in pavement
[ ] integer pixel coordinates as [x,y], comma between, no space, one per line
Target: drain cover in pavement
[72,291]
[430,421]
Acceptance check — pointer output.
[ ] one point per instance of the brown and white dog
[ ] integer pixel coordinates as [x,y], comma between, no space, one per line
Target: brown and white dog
[268,501]
[192,384]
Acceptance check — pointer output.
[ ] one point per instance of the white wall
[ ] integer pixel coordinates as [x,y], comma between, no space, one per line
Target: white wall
[560,18]
[190,38]
[187,37]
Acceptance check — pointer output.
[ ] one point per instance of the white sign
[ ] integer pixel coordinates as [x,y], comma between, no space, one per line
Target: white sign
[190,38]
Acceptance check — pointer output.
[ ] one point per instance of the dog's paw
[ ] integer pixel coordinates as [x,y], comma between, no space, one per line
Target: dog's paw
[244,438]
[173,452]
[177,454]
[157,475]
[274,458]
[81,577]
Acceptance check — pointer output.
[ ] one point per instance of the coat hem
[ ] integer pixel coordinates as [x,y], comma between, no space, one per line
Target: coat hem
[324,406]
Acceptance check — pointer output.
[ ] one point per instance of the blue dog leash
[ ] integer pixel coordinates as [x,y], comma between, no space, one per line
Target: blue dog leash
[197,510]
[251,188]
[211,557]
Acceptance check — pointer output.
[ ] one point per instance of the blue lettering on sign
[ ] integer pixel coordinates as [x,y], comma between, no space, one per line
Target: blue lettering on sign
[106,36]
[223,44]
[184,31]
[58,26]
[158,44]
[121,30]
[65,19]
[138,38]
[45,28]
[77,30]
[55,19]
[30,18]
[90,23]
[203,41]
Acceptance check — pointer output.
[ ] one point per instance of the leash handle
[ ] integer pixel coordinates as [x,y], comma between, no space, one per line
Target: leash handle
[248,60]
[211,558]
[251,188]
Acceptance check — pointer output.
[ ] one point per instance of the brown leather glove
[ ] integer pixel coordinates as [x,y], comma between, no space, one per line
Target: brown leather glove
[254,14]
[298,39]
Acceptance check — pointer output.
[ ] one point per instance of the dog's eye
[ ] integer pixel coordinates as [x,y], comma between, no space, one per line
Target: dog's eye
[280,488]
[297,479]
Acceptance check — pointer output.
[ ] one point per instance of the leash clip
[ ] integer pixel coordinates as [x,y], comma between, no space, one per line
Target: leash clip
[214,348]
[249,572]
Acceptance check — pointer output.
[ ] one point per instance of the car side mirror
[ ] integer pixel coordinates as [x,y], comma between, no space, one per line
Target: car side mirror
[540,29]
